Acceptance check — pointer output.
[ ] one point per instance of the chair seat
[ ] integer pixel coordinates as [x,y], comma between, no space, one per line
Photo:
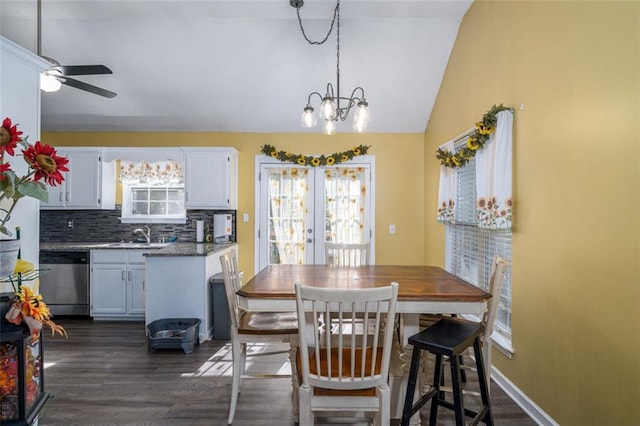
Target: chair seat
[448,336]
[268,323]
[346,369]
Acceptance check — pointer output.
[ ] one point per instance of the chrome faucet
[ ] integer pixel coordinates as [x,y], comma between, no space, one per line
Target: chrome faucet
[146,235]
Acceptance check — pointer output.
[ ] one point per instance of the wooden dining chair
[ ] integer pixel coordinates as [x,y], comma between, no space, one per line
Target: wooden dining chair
[347,254]
[344,372]
[254,328]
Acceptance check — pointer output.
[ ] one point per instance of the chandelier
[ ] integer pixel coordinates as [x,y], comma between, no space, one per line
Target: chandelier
[333,106]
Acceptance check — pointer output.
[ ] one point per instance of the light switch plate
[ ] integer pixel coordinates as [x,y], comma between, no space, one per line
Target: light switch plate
[245,217]
[392,229]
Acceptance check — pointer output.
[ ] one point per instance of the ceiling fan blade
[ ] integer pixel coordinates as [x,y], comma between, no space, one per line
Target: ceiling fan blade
[87,87]
[83,69]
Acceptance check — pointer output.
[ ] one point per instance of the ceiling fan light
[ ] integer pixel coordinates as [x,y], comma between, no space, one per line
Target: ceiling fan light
[48,83]
[308,117]
[329,127]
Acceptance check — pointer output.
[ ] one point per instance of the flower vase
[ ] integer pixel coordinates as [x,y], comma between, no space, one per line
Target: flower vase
[8,256]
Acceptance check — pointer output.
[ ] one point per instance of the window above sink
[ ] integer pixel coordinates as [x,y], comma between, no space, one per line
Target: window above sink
[152,192]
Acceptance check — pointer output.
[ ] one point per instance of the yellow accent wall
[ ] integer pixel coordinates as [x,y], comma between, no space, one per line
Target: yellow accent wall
[574,66]
[399,183]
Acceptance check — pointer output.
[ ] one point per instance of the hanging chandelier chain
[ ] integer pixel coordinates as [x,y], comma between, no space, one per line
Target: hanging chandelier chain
[336,13]
[338,47]
[331,109]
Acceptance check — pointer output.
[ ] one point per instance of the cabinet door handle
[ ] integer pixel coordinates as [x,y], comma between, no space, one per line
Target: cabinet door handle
[123,275]
[60,197]
[129,275]
[67,196]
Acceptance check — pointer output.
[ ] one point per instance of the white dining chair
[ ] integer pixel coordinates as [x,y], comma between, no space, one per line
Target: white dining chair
[347,254]
[254,327]
[344,372]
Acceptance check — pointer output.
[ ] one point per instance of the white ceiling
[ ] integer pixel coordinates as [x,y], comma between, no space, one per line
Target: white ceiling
[237,65]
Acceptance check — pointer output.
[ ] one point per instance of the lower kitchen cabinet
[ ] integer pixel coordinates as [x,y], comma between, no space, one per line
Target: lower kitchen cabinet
[118,284]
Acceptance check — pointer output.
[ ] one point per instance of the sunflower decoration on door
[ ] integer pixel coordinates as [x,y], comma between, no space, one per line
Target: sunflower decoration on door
[309,160]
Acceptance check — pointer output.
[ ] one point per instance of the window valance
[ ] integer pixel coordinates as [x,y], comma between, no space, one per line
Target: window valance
[164,173]
[493,176]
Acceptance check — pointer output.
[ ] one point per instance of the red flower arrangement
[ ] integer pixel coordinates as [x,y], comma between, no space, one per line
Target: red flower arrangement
[44,165]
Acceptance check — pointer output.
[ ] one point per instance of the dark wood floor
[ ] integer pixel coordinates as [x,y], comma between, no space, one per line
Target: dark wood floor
[103,375]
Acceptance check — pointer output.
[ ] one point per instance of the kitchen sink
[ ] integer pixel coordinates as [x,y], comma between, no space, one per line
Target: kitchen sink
[139,245]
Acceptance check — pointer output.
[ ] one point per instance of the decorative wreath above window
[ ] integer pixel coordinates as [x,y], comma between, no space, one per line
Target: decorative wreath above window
[309,160]
[475,141]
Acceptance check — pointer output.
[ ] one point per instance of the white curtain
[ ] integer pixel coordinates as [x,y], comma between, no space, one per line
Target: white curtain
[288,188]
[152,173]
[447,189]
[493,176]
[346,194]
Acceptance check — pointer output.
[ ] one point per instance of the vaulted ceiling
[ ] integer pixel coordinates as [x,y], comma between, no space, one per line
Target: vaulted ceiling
[237,65]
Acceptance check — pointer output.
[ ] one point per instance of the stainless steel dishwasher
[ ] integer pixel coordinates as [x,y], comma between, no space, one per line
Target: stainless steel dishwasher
[65,283]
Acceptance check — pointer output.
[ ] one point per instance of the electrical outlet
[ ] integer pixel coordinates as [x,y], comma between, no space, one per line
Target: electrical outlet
[392,229]
[70,224]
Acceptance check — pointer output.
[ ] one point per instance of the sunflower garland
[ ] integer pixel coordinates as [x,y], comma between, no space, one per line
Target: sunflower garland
[308,160]
[481,133]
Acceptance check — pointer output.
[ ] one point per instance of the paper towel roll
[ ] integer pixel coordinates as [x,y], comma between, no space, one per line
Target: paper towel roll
[199,231]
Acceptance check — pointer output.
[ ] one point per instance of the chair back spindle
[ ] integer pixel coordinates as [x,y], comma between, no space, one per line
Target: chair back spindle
[347,254]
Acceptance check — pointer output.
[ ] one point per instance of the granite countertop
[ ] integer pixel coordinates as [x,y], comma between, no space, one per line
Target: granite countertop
[153,250]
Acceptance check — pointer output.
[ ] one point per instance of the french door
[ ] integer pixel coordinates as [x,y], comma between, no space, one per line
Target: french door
[301,208]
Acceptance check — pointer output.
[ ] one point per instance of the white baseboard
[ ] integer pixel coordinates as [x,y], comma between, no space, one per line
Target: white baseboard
[522,400]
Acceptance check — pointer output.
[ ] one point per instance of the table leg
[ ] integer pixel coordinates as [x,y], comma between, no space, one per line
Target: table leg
[399,368]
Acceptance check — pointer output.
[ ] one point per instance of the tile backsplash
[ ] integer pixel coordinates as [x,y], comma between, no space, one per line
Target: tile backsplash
[104,225]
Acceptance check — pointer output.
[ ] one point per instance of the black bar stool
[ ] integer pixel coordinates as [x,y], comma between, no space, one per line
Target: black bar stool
[448,337]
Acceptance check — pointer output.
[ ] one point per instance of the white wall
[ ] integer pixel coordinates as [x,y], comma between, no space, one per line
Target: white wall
[20,101]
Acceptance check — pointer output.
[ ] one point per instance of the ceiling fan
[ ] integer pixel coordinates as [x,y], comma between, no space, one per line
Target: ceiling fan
[59,74]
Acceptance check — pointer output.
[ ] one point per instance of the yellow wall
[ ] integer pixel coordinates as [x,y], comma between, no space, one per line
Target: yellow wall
[399,184]
[574,66]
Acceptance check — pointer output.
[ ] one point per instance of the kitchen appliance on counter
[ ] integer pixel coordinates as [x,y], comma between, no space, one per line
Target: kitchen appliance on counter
[65,284]
[222,227]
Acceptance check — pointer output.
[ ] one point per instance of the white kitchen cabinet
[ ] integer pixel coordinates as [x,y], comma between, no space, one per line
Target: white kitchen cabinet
[211,178]
[118,284]
[135,291]
[89,183]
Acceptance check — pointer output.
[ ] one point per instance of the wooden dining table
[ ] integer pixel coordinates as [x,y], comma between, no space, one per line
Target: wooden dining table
[421,289]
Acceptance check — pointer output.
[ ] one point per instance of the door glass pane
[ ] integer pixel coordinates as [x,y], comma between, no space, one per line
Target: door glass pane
[345,193]
[287,212]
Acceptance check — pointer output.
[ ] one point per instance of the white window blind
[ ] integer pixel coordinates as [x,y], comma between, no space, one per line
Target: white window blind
[470,250]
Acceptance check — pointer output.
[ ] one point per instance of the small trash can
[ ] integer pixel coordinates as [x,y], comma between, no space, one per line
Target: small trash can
[173,333]
[219,308]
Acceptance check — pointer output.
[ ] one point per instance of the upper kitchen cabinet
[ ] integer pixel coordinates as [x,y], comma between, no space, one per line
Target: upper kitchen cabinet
[211,178]
[89,183]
